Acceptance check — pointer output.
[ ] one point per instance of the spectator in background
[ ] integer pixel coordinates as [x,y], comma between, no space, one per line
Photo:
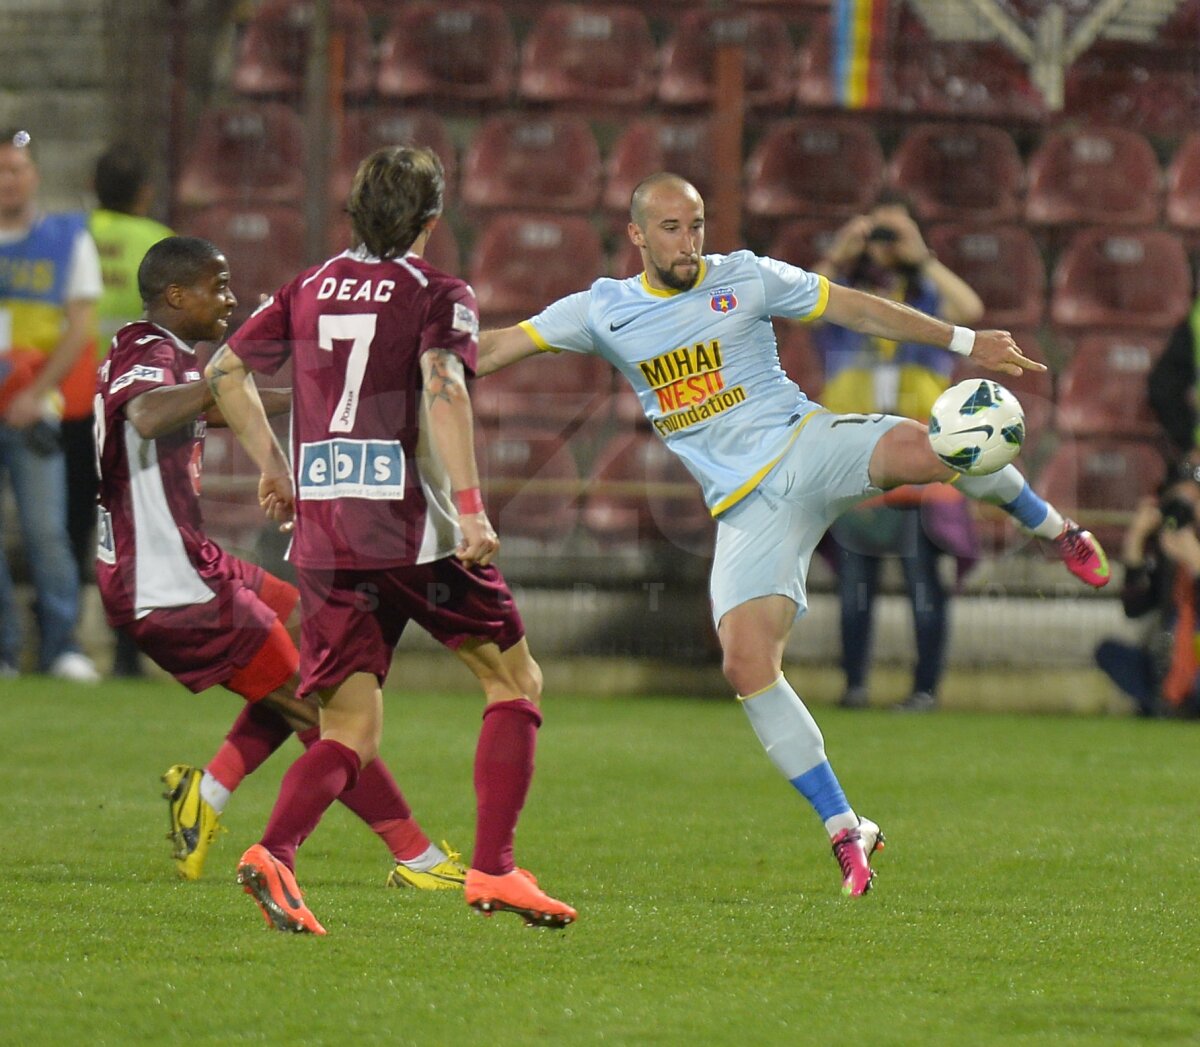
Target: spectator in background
[884,254]
[1172,389]
[123,235]
[49,284]
[1161,554]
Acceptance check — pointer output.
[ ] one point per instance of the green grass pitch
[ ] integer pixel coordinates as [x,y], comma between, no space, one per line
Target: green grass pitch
[1038,886]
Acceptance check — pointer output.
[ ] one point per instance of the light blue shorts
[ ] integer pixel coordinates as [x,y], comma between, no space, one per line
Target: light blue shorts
[765,542]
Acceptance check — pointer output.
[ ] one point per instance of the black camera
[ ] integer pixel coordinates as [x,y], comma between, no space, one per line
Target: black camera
[1177,513]
[883,234]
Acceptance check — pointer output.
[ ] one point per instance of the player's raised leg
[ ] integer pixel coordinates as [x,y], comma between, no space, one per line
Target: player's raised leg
[903,456]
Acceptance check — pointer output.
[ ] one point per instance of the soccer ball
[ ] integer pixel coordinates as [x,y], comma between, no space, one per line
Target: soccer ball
[976,427]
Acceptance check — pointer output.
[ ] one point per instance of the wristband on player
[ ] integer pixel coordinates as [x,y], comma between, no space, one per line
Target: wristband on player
[962,341]
[468,501]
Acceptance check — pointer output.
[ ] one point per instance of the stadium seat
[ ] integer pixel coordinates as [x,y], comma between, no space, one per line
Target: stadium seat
[1002,264]
[548,162]
[650,144]
[971,81]
[529,480]
[803,241]
[1103,389]
[626,259]
[365,130]
[827,167]
[639,494]
[688,72]
[451,51]
[442,249]
[522,262]
[959,172]
[244,153]
[1099,481]
[1154,88]
[272,56]
[1121,278]
[592,55]
[263,245]
[560,391]
[1099,175]
[1035,390]
[815,88]
[1183,185]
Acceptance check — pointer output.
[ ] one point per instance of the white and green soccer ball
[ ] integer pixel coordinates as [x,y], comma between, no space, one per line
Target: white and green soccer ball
[976,426]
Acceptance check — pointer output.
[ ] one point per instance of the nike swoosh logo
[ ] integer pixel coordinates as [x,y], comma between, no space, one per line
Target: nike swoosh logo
[623,323]
[292,900]
[987,430]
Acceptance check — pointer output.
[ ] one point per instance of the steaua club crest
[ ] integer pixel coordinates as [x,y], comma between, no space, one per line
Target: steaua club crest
[723,300]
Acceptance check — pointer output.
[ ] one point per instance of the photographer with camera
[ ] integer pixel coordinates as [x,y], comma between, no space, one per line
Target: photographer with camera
[883,252]
[1161,554]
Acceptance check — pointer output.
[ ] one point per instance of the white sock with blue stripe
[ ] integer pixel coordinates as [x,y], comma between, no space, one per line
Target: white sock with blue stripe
[1008,489]
[795,745]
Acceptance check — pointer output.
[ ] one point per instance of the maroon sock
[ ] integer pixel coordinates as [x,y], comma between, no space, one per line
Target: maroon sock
[378,801]
[311,784]
[503,771]
[255,734]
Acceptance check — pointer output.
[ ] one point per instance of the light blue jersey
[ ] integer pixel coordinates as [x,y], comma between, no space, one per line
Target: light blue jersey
[703,362]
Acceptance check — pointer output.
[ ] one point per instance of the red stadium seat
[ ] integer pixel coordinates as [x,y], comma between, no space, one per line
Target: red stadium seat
[1103,390]
[688,75]
[681,145]
[449,51]
[245,153]
[1106,175]
[626,259]
[639,494]
[959,172]
[814,69]
[263,245]
[600,55]
[1118,278]
[1002,264]
[1035,390]
[821,167]
[442,249]
[561,391]
[967,80]
[273,54]
[1183,185]
[1099,481]
[523,262]
[364,131]
[803,241]
[529,480]
[1153,88]
[549,162]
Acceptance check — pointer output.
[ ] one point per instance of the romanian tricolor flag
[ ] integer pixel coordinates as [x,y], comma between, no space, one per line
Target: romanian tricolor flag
[859,52]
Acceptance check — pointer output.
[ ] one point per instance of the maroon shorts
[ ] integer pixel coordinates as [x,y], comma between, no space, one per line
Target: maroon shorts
[205,644]
[352,620]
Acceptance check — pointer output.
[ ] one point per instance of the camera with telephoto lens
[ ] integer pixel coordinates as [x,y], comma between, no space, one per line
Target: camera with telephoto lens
[1177,513]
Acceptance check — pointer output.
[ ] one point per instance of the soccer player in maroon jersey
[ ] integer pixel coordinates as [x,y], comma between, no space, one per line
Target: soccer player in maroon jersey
[389,525]
[203,615]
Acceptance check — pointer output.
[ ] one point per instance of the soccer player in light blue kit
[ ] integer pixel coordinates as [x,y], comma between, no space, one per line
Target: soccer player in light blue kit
[692,334]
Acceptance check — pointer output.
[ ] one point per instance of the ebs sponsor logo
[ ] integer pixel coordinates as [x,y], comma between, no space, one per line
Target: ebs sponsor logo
[351,469]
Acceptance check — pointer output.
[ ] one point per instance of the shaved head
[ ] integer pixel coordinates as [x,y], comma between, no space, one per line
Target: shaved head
[648,192]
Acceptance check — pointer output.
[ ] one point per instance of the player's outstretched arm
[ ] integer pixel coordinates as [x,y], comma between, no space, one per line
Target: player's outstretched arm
[237,397]
[869,314]
[452,430]
[503,346]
